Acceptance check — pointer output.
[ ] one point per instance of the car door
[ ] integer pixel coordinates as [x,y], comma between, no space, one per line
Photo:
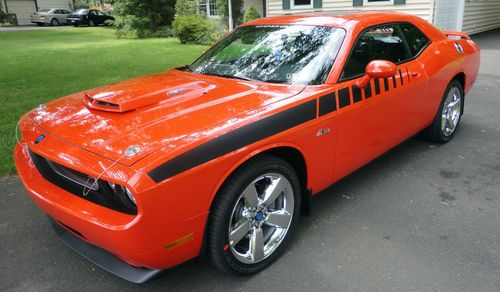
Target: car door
[93,16]
[376,118]
[64,16]
[101,17]
[61,17]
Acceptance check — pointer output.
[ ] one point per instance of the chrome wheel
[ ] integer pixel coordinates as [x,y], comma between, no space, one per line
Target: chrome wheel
[452,108]
[261,218]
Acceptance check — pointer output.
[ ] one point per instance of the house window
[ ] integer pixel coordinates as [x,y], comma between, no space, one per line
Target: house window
[378,2]
[212,8]
[207,7]
[302,4]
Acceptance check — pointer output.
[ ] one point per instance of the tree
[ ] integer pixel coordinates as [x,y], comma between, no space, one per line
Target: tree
[237,8]
[251,14]
[146,14]
[185,8]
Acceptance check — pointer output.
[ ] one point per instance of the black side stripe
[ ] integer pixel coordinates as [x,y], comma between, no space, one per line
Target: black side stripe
[401,77]
[386,84]
[356,94]
[394,82]
[377,86]
[327,104]
[368,90]
[344,97]
[236,139]
[408,74]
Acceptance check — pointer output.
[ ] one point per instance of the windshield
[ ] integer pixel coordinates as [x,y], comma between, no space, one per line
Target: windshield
[293,54]
[82,11]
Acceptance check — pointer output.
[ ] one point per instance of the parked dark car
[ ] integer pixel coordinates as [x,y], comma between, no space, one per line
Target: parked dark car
[88,17]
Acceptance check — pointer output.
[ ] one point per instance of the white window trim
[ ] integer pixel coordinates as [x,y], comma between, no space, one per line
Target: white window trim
[293,6]
[387,2]
[207,9]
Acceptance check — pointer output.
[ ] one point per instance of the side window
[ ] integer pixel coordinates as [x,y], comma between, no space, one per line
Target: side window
[100,13]
[415,38]
[92,12]
[383,42]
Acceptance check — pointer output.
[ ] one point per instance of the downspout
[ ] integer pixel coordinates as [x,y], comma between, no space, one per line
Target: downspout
[432,19]
[229,5]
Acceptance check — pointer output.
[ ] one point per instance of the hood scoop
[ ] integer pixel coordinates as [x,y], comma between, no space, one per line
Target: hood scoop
[128,99]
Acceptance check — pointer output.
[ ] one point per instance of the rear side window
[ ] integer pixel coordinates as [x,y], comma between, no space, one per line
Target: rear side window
[379,43]
[417,41]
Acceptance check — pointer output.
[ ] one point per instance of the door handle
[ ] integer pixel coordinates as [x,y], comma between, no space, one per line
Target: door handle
[415,75]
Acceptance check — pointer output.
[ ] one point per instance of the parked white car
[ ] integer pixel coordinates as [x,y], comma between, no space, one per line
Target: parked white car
[52,16]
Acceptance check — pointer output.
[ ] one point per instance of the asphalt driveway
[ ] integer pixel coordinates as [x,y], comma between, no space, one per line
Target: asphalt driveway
[423,217]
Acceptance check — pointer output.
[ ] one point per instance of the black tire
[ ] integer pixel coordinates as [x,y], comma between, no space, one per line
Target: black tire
[75,24]
[40,23]
[224,203]
[92,23]
[54,22]
[434,132]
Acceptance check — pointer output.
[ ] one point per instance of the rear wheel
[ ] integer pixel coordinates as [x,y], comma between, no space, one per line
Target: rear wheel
[54,22]
[448,117]
[254,216]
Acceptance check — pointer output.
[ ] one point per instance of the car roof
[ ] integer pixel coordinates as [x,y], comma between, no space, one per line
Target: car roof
[334,19]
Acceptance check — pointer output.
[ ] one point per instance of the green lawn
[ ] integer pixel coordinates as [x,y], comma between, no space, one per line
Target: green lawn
[38,66]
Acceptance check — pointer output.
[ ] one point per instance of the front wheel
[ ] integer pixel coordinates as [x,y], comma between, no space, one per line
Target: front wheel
[91,23]
[448,116]
[54,22]
[254,216]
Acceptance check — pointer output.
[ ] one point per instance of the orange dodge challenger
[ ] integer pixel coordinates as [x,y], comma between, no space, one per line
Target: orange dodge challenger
[221,157]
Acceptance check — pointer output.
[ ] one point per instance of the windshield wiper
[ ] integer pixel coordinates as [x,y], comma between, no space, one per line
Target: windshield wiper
[188,67]
[230,76]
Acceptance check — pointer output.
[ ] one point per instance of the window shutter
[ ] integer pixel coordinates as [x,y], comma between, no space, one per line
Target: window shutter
[317,3]
[286,4]
[357,3]
[399,2]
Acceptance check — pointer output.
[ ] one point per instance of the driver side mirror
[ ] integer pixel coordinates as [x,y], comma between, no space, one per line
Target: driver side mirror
[377,69]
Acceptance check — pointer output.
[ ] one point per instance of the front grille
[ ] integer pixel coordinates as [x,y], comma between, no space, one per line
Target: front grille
[74,182]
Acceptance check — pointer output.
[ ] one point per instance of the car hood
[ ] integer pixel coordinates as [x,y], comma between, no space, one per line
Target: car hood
[151,111]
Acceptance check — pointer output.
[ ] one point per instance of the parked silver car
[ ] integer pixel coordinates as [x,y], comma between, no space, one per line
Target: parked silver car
[52,16]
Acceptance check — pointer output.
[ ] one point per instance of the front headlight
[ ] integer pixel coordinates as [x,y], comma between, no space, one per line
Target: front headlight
[123,194]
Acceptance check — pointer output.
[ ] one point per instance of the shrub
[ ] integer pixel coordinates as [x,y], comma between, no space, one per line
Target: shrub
[251,14]
[194,29]
[6,24]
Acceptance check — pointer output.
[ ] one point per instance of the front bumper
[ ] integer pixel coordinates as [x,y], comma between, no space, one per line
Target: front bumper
[76,21]
[104,259]
[141,240]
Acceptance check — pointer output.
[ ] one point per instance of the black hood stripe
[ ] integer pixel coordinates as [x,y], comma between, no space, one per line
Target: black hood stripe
[235,140]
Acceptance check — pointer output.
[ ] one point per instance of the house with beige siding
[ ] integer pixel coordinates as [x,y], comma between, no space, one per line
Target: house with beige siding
[471,16]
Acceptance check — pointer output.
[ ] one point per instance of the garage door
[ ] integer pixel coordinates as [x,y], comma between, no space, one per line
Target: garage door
[22,8]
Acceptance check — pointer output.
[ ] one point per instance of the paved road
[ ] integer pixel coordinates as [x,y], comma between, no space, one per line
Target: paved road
[31,27]
[423,217]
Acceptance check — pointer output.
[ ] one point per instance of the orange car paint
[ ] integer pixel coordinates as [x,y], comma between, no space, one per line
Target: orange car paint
[172,115]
